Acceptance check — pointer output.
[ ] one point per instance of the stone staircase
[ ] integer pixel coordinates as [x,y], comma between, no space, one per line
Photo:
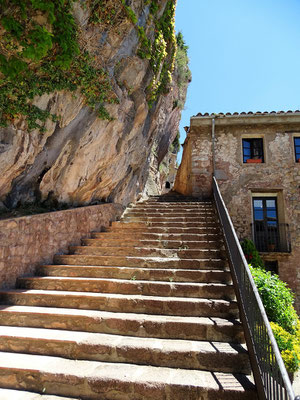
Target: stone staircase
[143,311]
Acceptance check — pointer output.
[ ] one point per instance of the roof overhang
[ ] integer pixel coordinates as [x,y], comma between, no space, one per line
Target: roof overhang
[247,119]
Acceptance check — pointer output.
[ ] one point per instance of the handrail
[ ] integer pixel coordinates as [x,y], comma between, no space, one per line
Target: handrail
[271,378]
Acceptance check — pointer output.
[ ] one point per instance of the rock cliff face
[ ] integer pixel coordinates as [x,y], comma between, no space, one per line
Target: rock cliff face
[80,158]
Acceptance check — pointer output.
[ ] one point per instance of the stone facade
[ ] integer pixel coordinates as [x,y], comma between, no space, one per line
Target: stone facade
[277,177]
[27,242]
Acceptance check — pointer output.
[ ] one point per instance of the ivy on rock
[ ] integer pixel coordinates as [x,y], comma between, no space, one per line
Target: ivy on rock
[39,53]
[161,53]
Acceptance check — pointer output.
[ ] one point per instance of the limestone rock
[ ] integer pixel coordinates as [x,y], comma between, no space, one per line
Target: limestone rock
[82,159]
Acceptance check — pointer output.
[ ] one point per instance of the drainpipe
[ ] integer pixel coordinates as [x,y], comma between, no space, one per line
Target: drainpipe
[213,124]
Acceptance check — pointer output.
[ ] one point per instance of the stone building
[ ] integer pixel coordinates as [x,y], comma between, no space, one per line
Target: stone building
[256,160]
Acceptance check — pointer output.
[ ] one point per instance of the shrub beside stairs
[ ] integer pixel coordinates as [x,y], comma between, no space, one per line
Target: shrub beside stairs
[143,311]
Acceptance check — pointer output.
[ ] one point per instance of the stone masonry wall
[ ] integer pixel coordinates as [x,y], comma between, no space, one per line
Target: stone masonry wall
[279,175]
[27,242]
[194,176]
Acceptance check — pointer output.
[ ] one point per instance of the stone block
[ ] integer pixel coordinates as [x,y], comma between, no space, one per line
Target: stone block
[34,239]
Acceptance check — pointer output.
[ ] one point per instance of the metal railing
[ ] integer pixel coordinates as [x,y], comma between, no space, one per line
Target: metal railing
[274,238]
[271,378]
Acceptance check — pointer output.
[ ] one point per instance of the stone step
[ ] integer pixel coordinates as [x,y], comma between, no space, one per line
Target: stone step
[170,275]
[170,212]
[179,306]
[165,222]
[168,230]
[177,203]
[148,252]
[130,287]
[121,323]
[142,262]
[174,196]
[143,311]
[173,206]
[161,244]
[187,354]
[156,214]
[164,225]
[176,200]
[11,394]
[102,380]
[185,221]
[132,235]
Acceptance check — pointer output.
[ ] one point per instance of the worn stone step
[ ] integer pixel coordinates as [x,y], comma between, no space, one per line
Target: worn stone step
[177,203]
[12,394]
[171,275]
[204,219]
[165,225]
[101,380]
[161,244]
[142,262]
[129,324]
[172,206]
[166,229]
[148,252]
[169,212]
[179,213]
[126,303]
[174,215]
[137,313]
[187,354]
[130,287]
[164,222]
[125,235]
[174,196]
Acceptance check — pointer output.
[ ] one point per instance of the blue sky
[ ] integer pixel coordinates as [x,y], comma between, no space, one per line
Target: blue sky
[244,55]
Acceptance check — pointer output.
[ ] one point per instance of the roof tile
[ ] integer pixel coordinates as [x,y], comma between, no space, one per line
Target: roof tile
[246,113]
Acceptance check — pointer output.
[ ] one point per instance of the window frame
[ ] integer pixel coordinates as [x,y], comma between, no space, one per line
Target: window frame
[295,151]
[266,235]
[264,200]
[252,156]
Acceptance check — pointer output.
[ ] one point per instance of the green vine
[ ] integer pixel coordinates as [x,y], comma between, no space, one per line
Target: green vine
[108,13]
[165,26]
[183,73]
[162,51]
[39,53]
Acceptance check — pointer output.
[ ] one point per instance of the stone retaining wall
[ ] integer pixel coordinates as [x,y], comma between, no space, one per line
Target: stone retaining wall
[27,242]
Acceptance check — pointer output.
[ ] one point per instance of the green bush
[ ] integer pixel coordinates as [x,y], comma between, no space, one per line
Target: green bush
[251,254]
[182,61]
[289,346]
[175,145]
[277,299]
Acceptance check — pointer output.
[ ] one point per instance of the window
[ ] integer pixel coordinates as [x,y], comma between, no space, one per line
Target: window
[271,266]
[266,232]
[253,151]
[297,148]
